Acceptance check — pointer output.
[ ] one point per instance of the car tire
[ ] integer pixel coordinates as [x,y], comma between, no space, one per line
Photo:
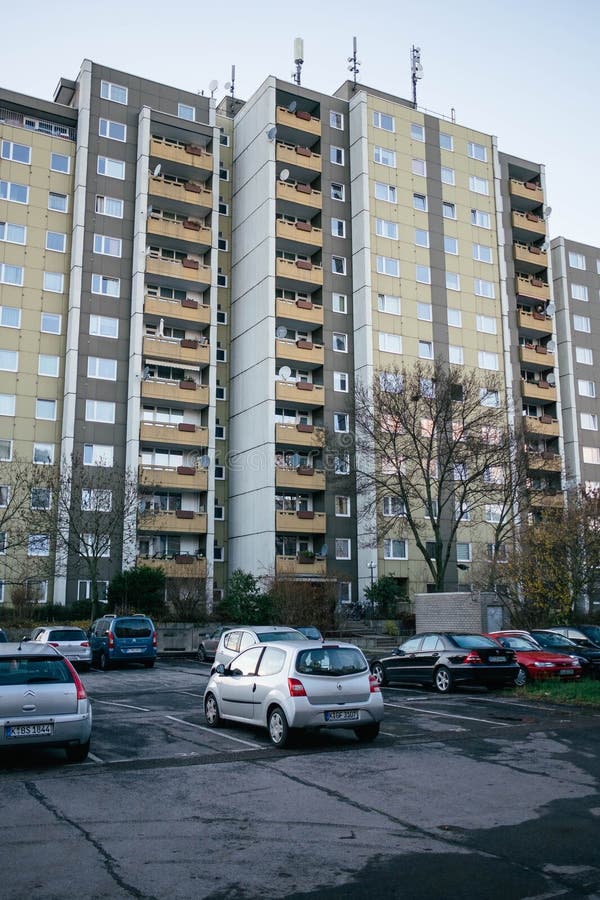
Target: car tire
[367,733]
[521,678]
[279,731]
[211,711]
[378,671]
[201,654]
[77,753]
[443,681]
[149,663]
[104,662]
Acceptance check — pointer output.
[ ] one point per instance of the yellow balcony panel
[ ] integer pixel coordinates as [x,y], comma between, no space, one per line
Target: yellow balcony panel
[188,270]
[547,500]
[185,351]
[310,395]
[190,311]
[545,462]
[536,357]
[546,426]
[305,352]
[530,257]
[302,478]
[301,566]
[532,287]
[184,154]
[299,312]
[298,121]
[299,435]
[179,566]
[528,191]
[183,477]
[538,390]
[300,522]
[191,197]
[189,234]
[177,392]
[181,521]
[298,275]
[536,323]
[295,156]
[298,235]
[528,222]
[182,435]
[297,194]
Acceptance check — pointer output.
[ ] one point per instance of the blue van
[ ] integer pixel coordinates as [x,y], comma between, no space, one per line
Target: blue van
[123,639]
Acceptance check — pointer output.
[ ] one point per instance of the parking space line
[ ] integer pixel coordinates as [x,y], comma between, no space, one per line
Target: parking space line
[432,712]
[123,705]
[212,731]
[94,758]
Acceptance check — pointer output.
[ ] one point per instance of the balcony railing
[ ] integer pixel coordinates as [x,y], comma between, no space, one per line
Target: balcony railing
[307,566]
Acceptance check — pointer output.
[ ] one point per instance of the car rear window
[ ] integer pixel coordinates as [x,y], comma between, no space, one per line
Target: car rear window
[267,636]
[472,641]
[517,643]
[67,634]
[129,628]
[334,661]
[33,670]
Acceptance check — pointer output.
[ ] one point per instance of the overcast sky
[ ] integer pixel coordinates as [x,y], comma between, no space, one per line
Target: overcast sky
[528,73]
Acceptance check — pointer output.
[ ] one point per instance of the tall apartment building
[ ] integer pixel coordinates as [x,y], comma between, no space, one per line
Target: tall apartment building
[224,276]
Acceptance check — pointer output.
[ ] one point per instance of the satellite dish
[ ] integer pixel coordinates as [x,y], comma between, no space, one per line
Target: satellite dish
[324,550]
[213,85]
[272,133]
[547,211]
[227,85]
[149,211]
[418,70]
[550,346]
[157,170]
[205,461]
[551,379]
[295,460]
[551,308]
[284,174]
[292,107]
[145,373]
[284,373]
[281,331]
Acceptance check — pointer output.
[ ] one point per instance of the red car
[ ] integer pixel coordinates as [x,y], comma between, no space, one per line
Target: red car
[535,662]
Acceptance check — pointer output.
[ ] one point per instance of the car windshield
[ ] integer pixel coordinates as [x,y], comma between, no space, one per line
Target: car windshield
[592,632]
[553,640]
[33,670]
[334,661]
[517,643]
[472,641]
[310,632]
[125,628]
[67,634]
[267,636]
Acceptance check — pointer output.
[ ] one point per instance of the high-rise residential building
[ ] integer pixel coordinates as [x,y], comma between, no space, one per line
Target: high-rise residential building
[205,284]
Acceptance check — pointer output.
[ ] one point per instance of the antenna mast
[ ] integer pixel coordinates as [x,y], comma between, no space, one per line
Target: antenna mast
[416,71]
[298,59]
[354,63]
[232,88]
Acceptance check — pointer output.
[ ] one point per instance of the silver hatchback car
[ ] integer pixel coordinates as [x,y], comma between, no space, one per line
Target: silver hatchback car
[286,685]
[43,702]
[240,637]
[69,640]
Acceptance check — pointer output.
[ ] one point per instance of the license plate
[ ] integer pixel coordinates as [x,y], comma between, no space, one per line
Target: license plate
[135,650]
[28,730]
[567,671]
[497,659]
[342,715]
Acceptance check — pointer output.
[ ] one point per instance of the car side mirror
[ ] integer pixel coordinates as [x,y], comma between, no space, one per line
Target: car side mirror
[235,672]
[220,669]
[397,651]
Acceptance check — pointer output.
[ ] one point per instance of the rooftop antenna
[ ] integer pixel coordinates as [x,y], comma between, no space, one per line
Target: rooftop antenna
[230,85]
[298,59]
[416,71]
[354,63]
[213,85]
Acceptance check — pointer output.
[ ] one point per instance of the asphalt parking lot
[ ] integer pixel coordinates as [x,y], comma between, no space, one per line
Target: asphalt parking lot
[460,793]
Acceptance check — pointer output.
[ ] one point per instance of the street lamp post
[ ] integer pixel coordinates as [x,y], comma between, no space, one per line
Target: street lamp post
[372,566]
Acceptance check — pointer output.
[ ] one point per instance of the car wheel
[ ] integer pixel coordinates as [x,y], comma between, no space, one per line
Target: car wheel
[367,733]
[211,711]
[77,752]
[442,680]
[201,654]
[149,663]
[279,731]
[521,677]
[104,661]
[379,673]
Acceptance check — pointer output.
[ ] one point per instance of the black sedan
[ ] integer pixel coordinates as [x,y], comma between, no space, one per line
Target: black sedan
[445,659]
[588,656]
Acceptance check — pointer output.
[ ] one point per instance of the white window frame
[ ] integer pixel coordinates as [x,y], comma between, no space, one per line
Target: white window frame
[45,451]
[111,168]
[117,93]
[395,548]
[106,126]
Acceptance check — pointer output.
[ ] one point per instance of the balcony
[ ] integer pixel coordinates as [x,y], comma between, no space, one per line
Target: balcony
[547,500]
[529,258]
[302,478]
[187,155]
[187,311]
[528,224]
[184,434]
[544,426]
[298,275]
[544,462]
[298,236]
[535,323]
[186,478]
[181,565]
[532,287]
[538,390]
[300,393]
[300,522]
[295,197]
[536,357]
[298,121]
[305,353]
[185,272]
[299,313]
[189,198]
[178,393]
[175,351]
[299,435]
[307,566]
[297,158]
[179,521]
[527,194]
[189,235]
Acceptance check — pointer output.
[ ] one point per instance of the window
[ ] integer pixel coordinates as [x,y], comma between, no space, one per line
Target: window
[393,506]
[341,464]
[484,288]
[56,240]
[424,312]
[51,323]
[100,411]
[340,382]
[109,287]
[48,365]
[421,237]
[9,360]
[448,175]
[116,131]
[98,455]
[96,500]
[107,246]
[481,219]
[450,245]
[114,92]
[591,455]
[481,253]
[220,432]
[454,317]
[425,350]
[388,266]
[493,513]
[11,274]
[385,192]
[338,265]
[336,119]
[104,326]
[584,356]
[581,323]
[60,163]
[10,317]
[383,121]
[19,153]
[339,303]
[12,234]
[342,548]
[41,498]
[589,421]
[336,155]
[112,168]
[338,191]
[58,202]
[103,369]
[220,392]
[390,343]
[419,167]
[386,229]
[342,505]
[223,243]
[5,450]
[7,404]
[184,111]
[423,274]
[449,210]
[340,342]
[43,454]
[338,228]
[221,355]
[586,388]
[15,193]
[53,281]
[486,324]
[394,548]
[45,409]
[385,157]
[463,552]
[477,151]
[489,398]
[479,185]
[38,545]
[223,207]
[4,495]
[420,202]
[455,355]
[579,292]
[388,304]
[341,423]
[417,132]
[94,545]
[109,206]
[488,360]
[576,260]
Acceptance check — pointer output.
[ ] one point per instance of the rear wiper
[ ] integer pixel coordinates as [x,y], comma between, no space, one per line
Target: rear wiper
[41,680]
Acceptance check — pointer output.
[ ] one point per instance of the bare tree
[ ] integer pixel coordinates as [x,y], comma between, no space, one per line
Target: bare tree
[435,443]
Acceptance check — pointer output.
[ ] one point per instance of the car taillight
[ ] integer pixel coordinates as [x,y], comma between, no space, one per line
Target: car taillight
[81,694]
[154,639]
[296,688]
[84,644]
[473,658]
[53,643]
[373,685]
[111,639]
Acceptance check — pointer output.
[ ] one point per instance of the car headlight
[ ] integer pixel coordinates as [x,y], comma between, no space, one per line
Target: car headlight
[543,665]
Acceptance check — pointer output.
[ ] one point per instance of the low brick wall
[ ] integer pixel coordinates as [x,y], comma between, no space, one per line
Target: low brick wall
[468,612]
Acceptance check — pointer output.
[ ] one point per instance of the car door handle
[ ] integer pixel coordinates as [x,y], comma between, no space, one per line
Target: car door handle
[253,687]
